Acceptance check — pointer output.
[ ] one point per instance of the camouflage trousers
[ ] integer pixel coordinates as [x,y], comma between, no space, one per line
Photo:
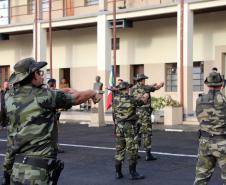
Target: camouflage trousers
[24,174]
[126,140]
[144,126]
[211,151]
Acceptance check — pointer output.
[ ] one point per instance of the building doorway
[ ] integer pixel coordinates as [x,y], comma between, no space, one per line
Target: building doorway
[64,73]
[68,8]
[4,74]
[134,70]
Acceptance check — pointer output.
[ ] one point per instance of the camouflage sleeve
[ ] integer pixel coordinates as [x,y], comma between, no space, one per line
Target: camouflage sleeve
[9,157]
[149,88]
[220,101]
[114,105]
[61,100]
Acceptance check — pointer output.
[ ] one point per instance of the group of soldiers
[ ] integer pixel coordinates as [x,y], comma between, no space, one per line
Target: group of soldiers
[133,122]
[30,110]
[132,115]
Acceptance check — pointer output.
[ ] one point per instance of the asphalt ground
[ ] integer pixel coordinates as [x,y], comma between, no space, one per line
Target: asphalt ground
[89,158]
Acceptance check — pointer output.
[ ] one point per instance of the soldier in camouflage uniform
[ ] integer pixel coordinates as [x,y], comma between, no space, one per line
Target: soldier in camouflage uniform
[31,157]
[211,114]
[124,109]
[144,112]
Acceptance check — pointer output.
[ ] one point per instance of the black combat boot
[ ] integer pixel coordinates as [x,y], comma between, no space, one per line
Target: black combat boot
[118,168]
[133,173]
[6,178]
[149,156]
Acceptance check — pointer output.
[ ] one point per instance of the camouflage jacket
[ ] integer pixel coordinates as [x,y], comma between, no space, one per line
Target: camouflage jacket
[142,89]
[32,126]
[211,112]
[124,107]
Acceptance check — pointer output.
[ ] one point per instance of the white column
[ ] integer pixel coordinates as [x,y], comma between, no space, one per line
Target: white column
[103,48]
[103,63]
[103,5]
[187,58]
[41,42]
[178,51]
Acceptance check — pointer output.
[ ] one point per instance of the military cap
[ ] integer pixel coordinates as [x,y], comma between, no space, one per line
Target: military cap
[25,67]
[140,77]
[214,79]
[124,85]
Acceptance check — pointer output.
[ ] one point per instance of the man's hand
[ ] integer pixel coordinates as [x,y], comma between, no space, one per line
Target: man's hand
[158,86]
[97,98]
[161,84]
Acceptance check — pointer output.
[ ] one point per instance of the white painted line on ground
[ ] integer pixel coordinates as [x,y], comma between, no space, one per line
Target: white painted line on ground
[173,130]
[2,155]
[108,148]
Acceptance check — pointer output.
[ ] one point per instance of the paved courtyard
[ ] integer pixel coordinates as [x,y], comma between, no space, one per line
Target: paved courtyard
[89,157]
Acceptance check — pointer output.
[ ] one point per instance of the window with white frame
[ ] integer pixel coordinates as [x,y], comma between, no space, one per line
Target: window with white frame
[171,77]
[31,6]
[197,73]
[45,5]
[4,12]
[91,2]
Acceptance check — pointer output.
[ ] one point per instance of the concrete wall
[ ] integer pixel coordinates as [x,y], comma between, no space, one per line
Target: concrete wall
[17,47]
[74,48]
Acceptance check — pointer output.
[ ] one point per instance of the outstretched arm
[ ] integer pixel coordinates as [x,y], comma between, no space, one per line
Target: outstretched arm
[82,96]
[158,86]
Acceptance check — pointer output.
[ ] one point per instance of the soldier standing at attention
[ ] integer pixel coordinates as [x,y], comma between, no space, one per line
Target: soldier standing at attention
[31,156]
[124,109]
[144,112]
[211,114]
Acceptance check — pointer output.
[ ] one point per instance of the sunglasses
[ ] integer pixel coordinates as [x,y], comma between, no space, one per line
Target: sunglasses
[40,72]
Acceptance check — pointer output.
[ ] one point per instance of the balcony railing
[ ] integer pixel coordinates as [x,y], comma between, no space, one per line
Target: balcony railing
[17,12]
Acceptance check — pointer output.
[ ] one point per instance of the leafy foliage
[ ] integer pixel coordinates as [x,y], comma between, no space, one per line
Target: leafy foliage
[161,102]
[157,103]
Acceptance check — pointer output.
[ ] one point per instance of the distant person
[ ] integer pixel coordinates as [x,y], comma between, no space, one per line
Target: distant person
[144,124]
[52,84]
[3,118]
[124,109]
[64,83]
[214,69]
[98,85]
[211,114]
[119,81]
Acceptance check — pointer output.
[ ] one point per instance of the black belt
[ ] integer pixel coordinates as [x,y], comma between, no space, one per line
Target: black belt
[33,161]
[206,134]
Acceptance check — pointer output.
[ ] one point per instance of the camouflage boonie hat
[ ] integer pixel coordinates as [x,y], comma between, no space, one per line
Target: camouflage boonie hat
[124,85]
[140,77]
[25,67]
[214,79]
